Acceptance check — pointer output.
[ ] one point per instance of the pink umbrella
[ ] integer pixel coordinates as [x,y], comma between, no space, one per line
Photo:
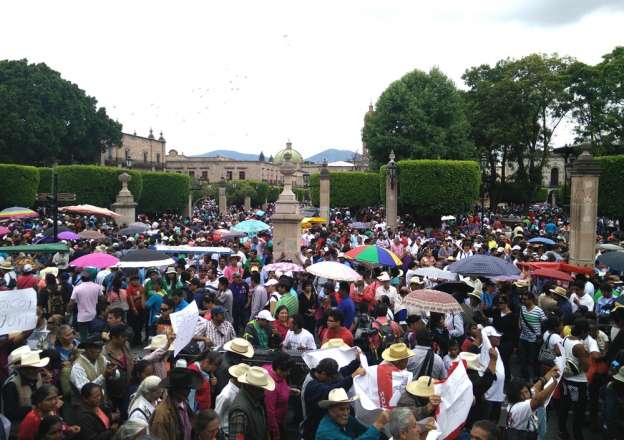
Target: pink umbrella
[427,300]
[283,267]
[99,260]
[4,231]
[89,210]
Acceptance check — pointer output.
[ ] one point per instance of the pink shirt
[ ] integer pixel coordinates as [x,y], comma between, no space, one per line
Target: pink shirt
[86,297]
[276,402]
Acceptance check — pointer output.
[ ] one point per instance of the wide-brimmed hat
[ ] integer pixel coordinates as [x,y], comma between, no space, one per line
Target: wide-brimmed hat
[472,360]
[91,341]
[421,387]
[16,354]
[171,269]
[450,258]
[475,294]
[239,346]
[521,283]
[620,375]
[6,265]
[335,343]
[182,378]
[158,341]
[266,315]
[32,359]
[384,277]
[258,377]
[336,396]
[416,280]
[238,370]
[396,352]
[558,290]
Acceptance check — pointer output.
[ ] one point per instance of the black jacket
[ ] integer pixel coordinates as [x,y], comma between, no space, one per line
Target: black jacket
[91,427]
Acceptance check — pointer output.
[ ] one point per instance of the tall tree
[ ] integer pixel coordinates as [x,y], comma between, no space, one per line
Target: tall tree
[612,73]
[419,116]
[261,157]
[44,118]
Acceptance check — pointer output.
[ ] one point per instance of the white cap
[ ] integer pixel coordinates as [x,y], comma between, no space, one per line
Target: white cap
[27,268]
[271,282]
[266,315]
[491,331]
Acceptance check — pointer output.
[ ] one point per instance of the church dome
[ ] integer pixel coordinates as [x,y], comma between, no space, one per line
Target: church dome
[288,153]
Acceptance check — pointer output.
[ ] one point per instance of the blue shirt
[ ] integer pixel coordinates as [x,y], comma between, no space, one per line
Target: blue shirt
[153,306]
[181,306]
[347,308]
[487,299]
[328,430]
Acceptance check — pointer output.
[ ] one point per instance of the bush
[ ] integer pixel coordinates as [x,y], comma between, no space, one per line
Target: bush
[429,189]
[611,187]
[348,189]
[18,185]
[164,192]
[273,193]
[518,193]
[302,194]
[45,180]
[96,185]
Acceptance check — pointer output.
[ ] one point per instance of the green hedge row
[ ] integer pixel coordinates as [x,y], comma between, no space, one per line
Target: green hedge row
[164,192]
[518,193]
[18,185]
[431,188]
[45,180]
[353,189]
[611,187]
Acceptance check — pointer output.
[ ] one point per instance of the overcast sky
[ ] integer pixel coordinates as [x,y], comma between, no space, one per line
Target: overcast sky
[248,75]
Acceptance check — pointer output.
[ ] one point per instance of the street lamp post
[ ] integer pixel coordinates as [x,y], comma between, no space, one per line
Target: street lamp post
[483,188]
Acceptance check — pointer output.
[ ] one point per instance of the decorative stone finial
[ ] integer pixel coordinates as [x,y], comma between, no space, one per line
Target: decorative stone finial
[124,178]
[392,156]
[151,134]
[324,170]
[161,138]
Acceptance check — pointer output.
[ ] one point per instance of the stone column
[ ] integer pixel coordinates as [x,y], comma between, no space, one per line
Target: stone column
[188,209]
[285,220]
[583,209]
[324,191]
[392,184]
[247,203]
[125,205]
[222,198]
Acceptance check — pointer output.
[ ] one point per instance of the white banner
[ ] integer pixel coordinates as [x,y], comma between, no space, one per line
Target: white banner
[456,394]
[343,356]
[18,311]
[184,324]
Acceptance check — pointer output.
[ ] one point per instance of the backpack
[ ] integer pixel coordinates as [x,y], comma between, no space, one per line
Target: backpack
[364,326]
[386,334]
[546,356]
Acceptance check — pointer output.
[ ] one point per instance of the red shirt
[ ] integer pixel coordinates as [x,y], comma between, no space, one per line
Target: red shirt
[29,426]
[26,281]
[203,396]
[339,333]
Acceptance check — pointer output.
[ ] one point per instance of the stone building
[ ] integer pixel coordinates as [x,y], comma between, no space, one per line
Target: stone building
[137,152]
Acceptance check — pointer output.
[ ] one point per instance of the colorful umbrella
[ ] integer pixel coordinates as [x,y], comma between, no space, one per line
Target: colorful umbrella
[68,235]
[283,267]
[91,234]
[4,231]
[251,226]
[551,273]
[99,260]
[17,212]
[374,255]
[426,300]
[332,270]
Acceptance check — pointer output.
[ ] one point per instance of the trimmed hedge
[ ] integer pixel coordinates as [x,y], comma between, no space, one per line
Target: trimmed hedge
[429,189]
[164,192]
[96,185]
[518,193]
[45,180]
[18,185]
[352,189]
[611,187]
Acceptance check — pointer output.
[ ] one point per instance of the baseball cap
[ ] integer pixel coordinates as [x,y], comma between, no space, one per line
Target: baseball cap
[266,315]
[491,331]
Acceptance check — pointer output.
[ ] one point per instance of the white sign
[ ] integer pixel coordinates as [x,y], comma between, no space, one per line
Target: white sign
[18,311]
[184,324]
[344,356]
[457,397]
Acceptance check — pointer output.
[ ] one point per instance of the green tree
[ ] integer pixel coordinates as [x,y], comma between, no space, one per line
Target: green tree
[420,116]
[612,73]
[261,156]
[45,118]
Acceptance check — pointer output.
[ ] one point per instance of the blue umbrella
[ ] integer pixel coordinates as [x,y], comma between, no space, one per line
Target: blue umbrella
[260,213]
[483,265]
[543,240]
[250,226]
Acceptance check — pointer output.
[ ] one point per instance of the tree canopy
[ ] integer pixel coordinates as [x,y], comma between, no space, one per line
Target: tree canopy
[45,118]
[420,116]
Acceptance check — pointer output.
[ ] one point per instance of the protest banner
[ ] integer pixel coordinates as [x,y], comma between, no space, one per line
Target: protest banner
[18,311]
[456,395]
[184,324]
[344,356]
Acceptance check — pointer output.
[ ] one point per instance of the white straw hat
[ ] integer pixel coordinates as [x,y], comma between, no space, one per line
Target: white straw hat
[336,396]
[258,377]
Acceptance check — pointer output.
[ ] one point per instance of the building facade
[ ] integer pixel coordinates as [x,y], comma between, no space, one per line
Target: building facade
[135,151]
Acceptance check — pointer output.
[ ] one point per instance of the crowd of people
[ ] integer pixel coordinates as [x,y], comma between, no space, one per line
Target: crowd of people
[100,363]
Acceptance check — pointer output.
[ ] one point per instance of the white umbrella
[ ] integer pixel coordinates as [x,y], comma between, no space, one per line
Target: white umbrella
[333,270]
[435,273]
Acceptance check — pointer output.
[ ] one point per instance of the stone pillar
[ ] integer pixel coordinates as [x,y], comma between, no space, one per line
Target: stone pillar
[125,205]
[392,184]
[247,203]
[324,191]
[583,209]
[285,220]
[188,209]
[222,198]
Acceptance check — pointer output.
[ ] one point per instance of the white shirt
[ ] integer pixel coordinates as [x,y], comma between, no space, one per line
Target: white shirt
[224,401]
[141,409]
[521,416]
[293,341]
[101,275]
[591,345]
[585,300]
[496,391]
[553,341]
[589,289]
[391,293]
[454,323]
[78,375]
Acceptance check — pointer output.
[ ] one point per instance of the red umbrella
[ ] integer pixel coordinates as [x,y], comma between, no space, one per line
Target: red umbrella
[564,267]
[427,300]
[551,273]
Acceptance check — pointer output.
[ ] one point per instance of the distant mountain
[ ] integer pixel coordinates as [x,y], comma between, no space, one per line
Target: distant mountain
[332,155]
[230,154]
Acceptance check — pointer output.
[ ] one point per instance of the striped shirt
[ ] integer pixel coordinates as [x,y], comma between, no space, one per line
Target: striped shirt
[531,323]
[291,301]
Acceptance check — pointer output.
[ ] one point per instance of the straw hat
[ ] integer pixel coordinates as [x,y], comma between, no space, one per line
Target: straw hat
[397,352]
[258,377]
[171,269]
[620,375]
[53,270]
[416,280]
[562,292]
[472,360]
[335,343]
[239,346]
[337,396]
[32,359]
[238,370]
[16,354]
[6,265]
[421,387]
[384,277]
[521,283]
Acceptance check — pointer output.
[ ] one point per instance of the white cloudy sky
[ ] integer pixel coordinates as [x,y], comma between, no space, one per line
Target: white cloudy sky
[248,75]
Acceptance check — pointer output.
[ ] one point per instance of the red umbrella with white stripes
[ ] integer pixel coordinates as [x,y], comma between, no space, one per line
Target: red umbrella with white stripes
[427,300]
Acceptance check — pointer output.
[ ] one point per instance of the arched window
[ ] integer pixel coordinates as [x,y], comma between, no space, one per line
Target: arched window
[554,177]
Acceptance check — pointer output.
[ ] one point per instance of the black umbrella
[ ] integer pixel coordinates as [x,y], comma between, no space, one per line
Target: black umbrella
[483,265]
[613,259]
[454,287]
[145,258]
[131,230]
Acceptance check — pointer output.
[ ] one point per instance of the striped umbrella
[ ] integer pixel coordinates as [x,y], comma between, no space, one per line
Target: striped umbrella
[17,212]
[374,255]
[427,300]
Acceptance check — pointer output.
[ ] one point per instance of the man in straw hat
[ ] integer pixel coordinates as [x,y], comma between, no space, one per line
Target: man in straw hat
[228,394]
[18,388]
[339,424]
[247,415]
[419,396]
[564,307]
[91,365]
[236,351]
[172,417]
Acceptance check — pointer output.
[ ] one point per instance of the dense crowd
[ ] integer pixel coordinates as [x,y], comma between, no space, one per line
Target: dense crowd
[99,364]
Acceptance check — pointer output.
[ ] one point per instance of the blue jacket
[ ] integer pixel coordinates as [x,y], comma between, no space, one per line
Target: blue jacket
[328,430]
